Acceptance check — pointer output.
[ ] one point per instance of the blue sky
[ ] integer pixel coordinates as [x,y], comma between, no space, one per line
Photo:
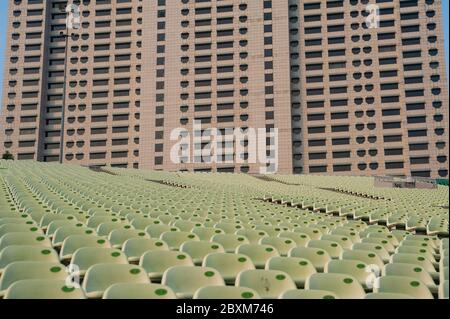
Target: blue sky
[4,18]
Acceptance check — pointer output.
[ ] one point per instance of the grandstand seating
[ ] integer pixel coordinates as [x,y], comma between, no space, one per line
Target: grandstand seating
[125,233]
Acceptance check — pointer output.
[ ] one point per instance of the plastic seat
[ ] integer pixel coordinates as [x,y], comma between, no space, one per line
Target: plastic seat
[101,276]
[252,235]
[65,231]
[43,289]
[300,239]
[298,269]
[343,285]
[415,259]
[88,256]
[206,233]
[403,285]
[96,220]
[388,237]
[26,253]
[331,247]
[348,232]
[104,229]
[312,232]
[308,294]
[143,222]
[367,257]
[318,257]
[282,245]
[17,220]
[355,268]
[54,225]
[138,291]
[24,238]
[344,241]
[413,271]
[118,236]
[259,254]
[418,251]
[226,292]
[134,248]
[228,264]
[186,280]
[22,270]
[199,249]
[156,230]
[157,262]
[381,242]
[14,228]
[269,284]
[74,242]
[50,217]
[375,248]
[229,241]
[174,239]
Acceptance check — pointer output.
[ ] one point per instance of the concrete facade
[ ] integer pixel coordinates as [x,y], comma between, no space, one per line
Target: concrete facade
[345,99]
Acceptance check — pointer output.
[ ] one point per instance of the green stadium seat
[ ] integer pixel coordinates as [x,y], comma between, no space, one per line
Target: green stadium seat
[99,277]
[23,270]
[156,262]
[229,242]
[229,265]
[74,242]
[155,231]
[269,284]
[412,271]
[88,256]
[253,235]
[259,254]
[43,289]
[206,233]
[355,268]
[138,291]
[308,294]
[14,228]
[298,269]
[318,257]
[343,285]
[186,280]
[402,285]
[118,236]
[282,245]
[24,239]
[65,231]
[366,256]
[226,292]
[174,239]
[134,248]
[199,249]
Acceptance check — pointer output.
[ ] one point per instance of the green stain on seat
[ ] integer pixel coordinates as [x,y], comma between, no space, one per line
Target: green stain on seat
[247,295]
[160,292]
[55,269]
[348,280]
[280,277]
[209,273]
[67,289]
[115,254]
[135,271]
[414,284]
[181,257]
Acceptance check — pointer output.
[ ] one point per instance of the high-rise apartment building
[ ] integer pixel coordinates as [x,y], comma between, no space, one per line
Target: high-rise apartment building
[351,86]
